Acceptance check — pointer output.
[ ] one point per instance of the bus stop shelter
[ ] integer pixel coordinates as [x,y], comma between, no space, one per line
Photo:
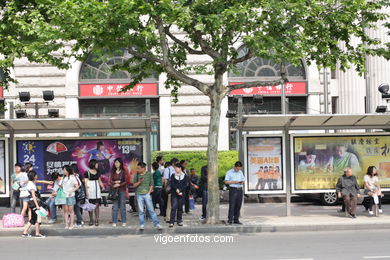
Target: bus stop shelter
[57,128]
[286,123]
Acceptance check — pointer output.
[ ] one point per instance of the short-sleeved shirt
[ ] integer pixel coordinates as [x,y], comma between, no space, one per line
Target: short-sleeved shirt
[92,177]
[144,187]
[232,175]
[168,172]
[371,181]
[68,185]
[24,190]
[157,179]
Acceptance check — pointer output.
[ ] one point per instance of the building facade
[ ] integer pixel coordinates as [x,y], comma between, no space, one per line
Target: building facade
[89,89]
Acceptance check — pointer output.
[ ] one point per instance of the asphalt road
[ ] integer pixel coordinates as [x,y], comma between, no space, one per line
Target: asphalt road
[298,246]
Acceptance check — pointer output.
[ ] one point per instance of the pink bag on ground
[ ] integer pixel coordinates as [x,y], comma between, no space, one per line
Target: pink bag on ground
[13,220]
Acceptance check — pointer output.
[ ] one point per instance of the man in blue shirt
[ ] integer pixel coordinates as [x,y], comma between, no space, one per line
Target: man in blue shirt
[235,179]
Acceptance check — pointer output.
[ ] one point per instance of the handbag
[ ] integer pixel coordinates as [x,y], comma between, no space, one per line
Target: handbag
[80,192]
[167,187]
[15,186]
[60,197]
[113,194]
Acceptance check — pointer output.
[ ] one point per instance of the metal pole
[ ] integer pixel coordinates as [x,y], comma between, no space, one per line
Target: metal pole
[326,100]
[10,152]
[148,135]
[240,114]
[283,100]
[288,171]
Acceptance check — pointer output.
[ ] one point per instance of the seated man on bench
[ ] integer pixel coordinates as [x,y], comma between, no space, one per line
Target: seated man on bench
[348,189]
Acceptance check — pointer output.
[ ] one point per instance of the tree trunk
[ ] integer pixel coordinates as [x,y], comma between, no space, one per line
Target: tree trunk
[212,157]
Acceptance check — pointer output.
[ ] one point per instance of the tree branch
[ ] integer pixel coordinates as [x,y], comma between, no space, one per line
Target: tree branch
[183,44]
[146,56]
[280,81]
[168,65]
[206,47]
[242,58]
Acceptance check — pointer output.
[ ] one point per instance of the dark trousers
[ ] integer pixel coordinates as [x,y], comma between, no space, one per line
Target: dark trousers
[156,196]
[235,202]
[371,202]
[133,207]
[350,202]
[164,197]
[205,198]
[187,201]
[177,208]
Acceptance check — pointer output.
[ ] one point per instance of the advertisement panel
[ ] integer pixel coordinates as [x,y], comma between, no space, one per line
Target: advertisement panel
[3,177]
[50,156]
[264,165]
[320,160]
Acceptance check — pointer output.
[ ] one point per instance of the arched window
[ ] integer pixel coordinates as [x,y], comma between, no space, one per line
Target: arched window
[98,70]
[257,67]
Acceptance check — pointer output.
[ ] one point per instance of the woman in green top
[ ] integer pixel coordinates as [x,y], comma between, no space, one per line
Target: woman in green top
[157,179]
[19,181]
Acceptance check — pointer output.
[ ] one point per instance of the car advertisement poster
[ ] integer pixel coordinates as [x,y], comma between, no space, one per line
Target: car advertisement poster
[48,156]
[264,165]
[320,160]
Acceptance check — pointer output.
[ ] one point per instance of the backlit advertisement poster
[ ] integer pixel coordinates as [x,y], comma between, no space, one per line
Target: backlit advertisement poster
[3,179]
[264,165]
[48,156]
[320,160]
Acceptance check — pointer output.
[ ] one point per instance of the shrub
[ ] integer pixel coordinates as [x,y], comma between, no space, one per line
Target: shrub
[197,159]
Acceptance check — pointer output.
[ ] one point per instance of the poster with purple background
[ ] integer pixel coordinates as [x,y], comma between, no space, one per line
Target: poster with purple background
[50,156]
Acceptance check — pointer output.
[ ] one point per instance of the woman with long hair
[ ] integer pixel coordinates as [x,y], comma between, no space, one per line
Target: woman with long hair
[69,185]
[118,181]
[372,189]
[93,188]
[179,185]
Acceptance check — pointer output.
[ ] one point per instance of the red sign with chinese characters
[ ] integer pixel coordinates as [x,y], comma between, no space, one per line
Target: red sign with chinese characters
[113,90]
[292,88]
[1,92]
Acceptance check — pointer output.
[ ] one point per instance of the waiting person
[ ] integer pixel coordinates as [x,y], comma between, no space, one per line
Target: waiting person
[179,183]
[94,186]
[184,165]
[143,182]
[194,181]
[348,189]
[235,179]
[260,178]
[204,181]
[50,201]
[79,201]
[157,179]
[161,163]
[118,180]
[70,185]
[372,189]
[19,181]
[33,217]
[168,172]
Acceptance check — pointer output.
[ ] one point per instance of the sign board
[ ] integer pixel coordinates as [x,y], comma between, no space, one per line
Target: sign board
[291,88]
[114,90]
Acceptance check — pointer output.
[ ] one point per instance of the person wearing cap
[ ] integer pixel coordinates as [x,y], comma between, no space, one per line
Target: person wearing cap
[235,179]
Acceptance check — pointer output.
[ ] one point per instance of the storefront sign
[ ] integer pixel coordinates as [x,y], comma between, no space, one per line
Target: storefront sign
[292,88]
[114,90]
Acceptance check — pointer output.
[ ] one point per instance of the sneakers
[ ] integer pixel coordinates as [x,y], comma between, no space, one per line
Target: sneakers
[171,225]
[202,218]
[78,226]
[371,212]
[180,224]
[26,235]
[159,227]
[380,211]
[51,221]
[123,224]
[40,236]
[142,227]
[114,224]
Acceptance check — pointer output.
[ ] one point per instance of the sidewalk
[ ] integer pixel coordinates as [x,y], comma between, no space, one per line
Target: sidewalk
[257,217]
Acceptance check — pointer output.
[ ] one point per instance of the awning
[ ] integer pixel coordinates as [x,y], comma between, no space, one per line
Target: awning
[316,122]
[49,125]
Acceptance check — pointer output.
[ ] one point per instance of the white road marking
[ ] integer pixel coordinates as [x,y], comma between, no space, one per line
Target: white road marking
[293,259]
[377,257]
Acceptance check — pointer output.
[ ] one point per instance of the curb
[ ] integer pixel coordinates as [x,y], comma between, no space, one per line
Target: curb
[206,229]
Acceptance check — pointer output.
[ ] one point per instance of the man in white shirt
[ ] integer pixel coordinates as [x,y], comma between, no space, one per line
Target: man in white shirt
[168,172]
